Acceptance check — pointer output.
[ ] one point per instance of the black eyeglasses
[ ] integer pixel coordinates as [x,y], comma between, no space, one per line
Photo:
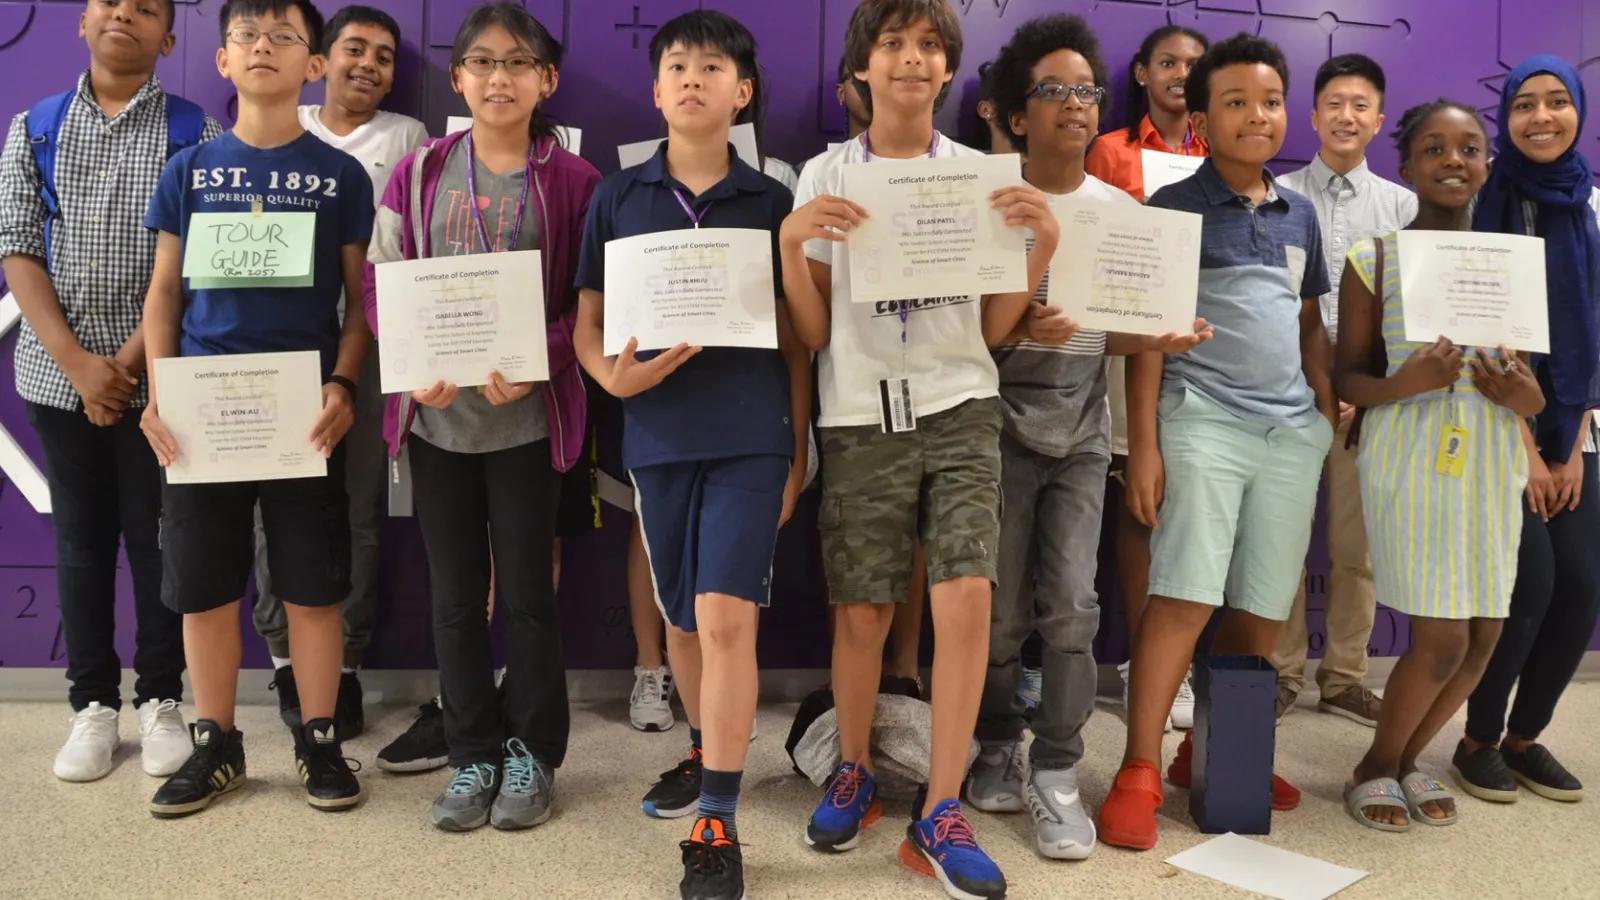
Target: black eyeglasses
[1056,92]
[516,66]
[246,36]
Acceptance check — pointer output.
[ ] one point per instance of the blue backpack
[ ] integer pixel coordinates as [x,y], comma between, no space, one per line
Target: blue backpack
[186,125]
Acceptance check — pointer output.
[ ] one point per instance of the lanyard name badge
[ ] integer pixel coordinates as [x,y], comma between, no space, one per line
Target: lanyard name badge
[477,213]
[895,410]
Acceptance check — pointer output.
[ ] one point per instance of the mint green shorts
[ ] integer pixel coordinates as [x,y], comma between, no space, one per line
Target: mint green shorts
[1235,521]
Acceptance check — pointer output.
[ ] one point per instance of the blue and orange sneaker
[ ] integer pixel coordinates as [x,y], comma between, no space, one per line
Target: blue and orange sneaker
[713,864]
[943,846]
[849,805]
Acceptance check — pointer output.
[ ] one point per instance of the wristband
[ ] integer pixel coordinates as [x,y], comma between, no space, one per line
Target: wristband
[348,385]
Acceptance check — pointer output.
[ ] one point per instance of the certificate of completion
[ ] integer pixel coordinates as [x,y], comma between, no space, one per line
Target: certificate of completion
[1478,289]
[243,417]
[1161,169]
[1124,267]
[930,230]
[709,287]
[458,318]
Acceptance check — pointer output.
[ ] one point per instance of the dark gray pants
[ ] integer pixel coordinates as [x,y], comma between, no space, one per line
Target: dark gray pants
[1049,541]
[365,467]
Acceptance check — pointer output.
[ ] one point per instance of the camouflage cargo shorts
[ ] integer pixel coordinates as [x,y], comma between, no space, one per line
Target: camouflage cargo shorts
[941,481]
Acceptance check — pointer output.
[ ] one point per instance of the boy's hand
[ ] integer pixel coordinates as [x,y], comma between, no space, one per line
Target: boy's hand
[1146,485]
[101,416]
[440,396]
[1566,485]
[1347,414]
[161,440]
[1541,488]
[1026,206]
[1048,324]
[338,414]
[825,216]
[1173,342]
[101,381]
[629,376]
[1508,382]
[1433,367]
[500,391]
[792,489]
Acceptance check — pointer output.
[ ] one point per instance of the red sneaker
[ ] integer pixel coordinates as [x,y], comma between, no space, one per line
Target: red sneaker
[1285,796]
[1128,815]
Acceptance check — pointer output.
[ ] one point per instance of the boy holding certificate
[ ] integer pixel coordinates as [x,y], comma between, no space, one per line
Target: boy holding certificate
[267,164]
[1049,84]
[1244,421]
[714,437]
[910,430]
[78,260]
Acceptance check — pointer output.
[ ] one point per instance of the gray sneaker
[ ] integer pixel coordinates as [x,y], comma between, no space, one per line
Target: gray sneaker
[995,782]
[464,805]
[527,792]
[1062,830]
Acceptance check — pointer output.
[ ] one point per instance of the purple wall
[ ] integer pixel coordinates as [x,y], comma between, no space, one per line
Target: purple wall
[1459,48]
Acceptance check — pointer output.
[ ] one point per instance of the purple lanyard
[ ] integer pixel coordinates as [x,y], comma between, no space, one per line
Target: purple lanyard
[903,309]
[477,213]
[694,217]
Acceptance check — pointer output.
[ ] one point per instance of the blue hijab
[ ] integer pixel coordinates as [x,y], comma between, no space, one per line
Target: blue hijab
[1560,192]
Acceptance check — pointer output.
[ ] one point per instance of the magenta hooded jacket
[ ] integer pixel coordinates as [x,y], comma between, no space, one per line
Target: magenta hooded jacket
[560,184]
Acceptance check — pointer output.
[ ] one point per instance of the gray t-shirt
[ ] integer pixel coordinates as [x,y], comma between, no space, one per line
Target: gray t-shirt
[1054,397]
[472,424]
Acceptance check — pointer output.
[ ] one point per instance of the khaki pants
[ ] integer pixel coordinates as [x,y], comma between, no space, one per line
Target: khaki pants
[1352,602]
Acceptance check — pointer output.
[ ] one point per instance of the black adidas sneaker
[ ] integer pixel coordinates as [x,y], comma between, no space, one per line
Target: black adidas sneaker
[319,757]
[215,767]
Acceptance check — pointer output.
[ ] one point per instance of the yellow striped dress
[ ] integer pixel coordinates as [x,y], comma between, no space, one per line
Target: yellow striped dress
[1442,546]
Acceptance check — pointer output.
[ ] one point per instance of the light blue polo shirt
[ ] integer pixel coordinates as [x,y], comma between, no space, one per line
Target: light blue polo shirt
[1256,264]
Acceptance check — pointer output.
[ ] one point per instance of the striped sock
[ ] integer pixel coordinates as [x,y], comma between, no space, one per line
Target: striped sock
[719,799]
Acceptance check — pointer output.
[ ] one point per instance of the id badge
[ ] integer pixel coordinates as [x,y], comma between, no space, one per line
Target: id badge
[894,405]
[1452,459]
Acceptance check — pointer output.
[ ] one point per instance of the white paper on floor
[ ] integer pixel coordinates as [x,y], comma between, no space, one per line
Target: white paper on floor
[1254,866]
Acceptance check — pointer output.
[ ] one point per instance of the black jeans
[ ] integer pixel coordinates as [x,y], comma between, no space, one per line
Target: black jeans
[1552,619]
[468,503]
[105,485]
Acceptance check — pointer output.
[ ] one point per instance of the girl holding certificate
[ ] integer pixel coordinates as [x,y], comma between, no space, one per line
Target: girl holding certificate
[484,461]
[1442,469]
[1542,185]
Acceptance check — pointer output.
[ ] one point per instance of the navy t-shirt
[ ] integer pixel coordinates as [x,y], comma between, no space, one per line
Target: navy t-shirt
[304,175]
[725,401]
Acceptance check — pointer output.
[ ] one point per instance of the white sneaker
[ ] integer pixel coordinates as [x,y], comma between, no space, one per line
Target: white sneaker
[164,742]
[86,756]
[1122,669]
[1182,715]
[650,704]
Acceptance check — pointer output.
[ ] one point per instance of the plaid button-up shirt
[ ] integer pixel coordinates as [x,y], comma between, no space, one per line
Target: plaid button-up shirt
[100,253]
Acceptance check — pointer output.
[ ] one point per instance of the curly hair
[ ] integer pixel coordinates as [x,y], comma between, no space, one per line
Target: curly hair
[1011,79]
[1411,122]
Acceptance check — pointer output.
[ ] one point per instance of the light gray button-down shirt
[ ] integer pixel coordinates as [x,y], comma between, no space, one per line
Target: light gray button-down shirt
[1350,208]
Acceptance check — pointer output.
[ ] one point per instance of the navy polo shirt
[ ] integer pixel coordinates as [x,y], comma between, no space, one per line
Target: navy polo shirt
[725,401]
[1258,264]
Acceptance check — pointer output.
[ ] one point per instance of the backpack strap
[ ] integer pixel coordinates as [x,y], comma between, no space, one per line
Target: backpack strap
[1353,437]
[186,124]
[44,130]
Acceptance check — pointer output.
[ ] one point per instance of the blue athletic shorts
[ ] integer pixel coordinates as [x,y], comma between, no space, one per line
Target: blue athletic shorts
[710,526]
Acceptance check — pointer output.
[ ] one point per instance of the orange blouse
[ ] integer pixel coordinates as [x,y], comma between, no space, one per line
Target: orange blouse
[1116,162]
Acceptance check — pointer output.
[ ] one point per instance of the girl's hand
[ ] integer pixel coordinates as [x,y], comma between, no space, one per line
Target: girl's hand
[338,414]
[1431,368]
[1026,206]
[792,489]
[1146,479]
[1507,381]
[161,440]
[1540,490]
[440,396]
[825,217]
[629,376]
[1173,342]
[1566,484]
[1048,324]
[499,391]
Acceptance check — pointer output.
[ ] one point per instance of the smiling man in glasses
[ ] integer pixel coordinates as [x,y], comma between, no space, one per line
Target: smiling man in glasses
[1055,448]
